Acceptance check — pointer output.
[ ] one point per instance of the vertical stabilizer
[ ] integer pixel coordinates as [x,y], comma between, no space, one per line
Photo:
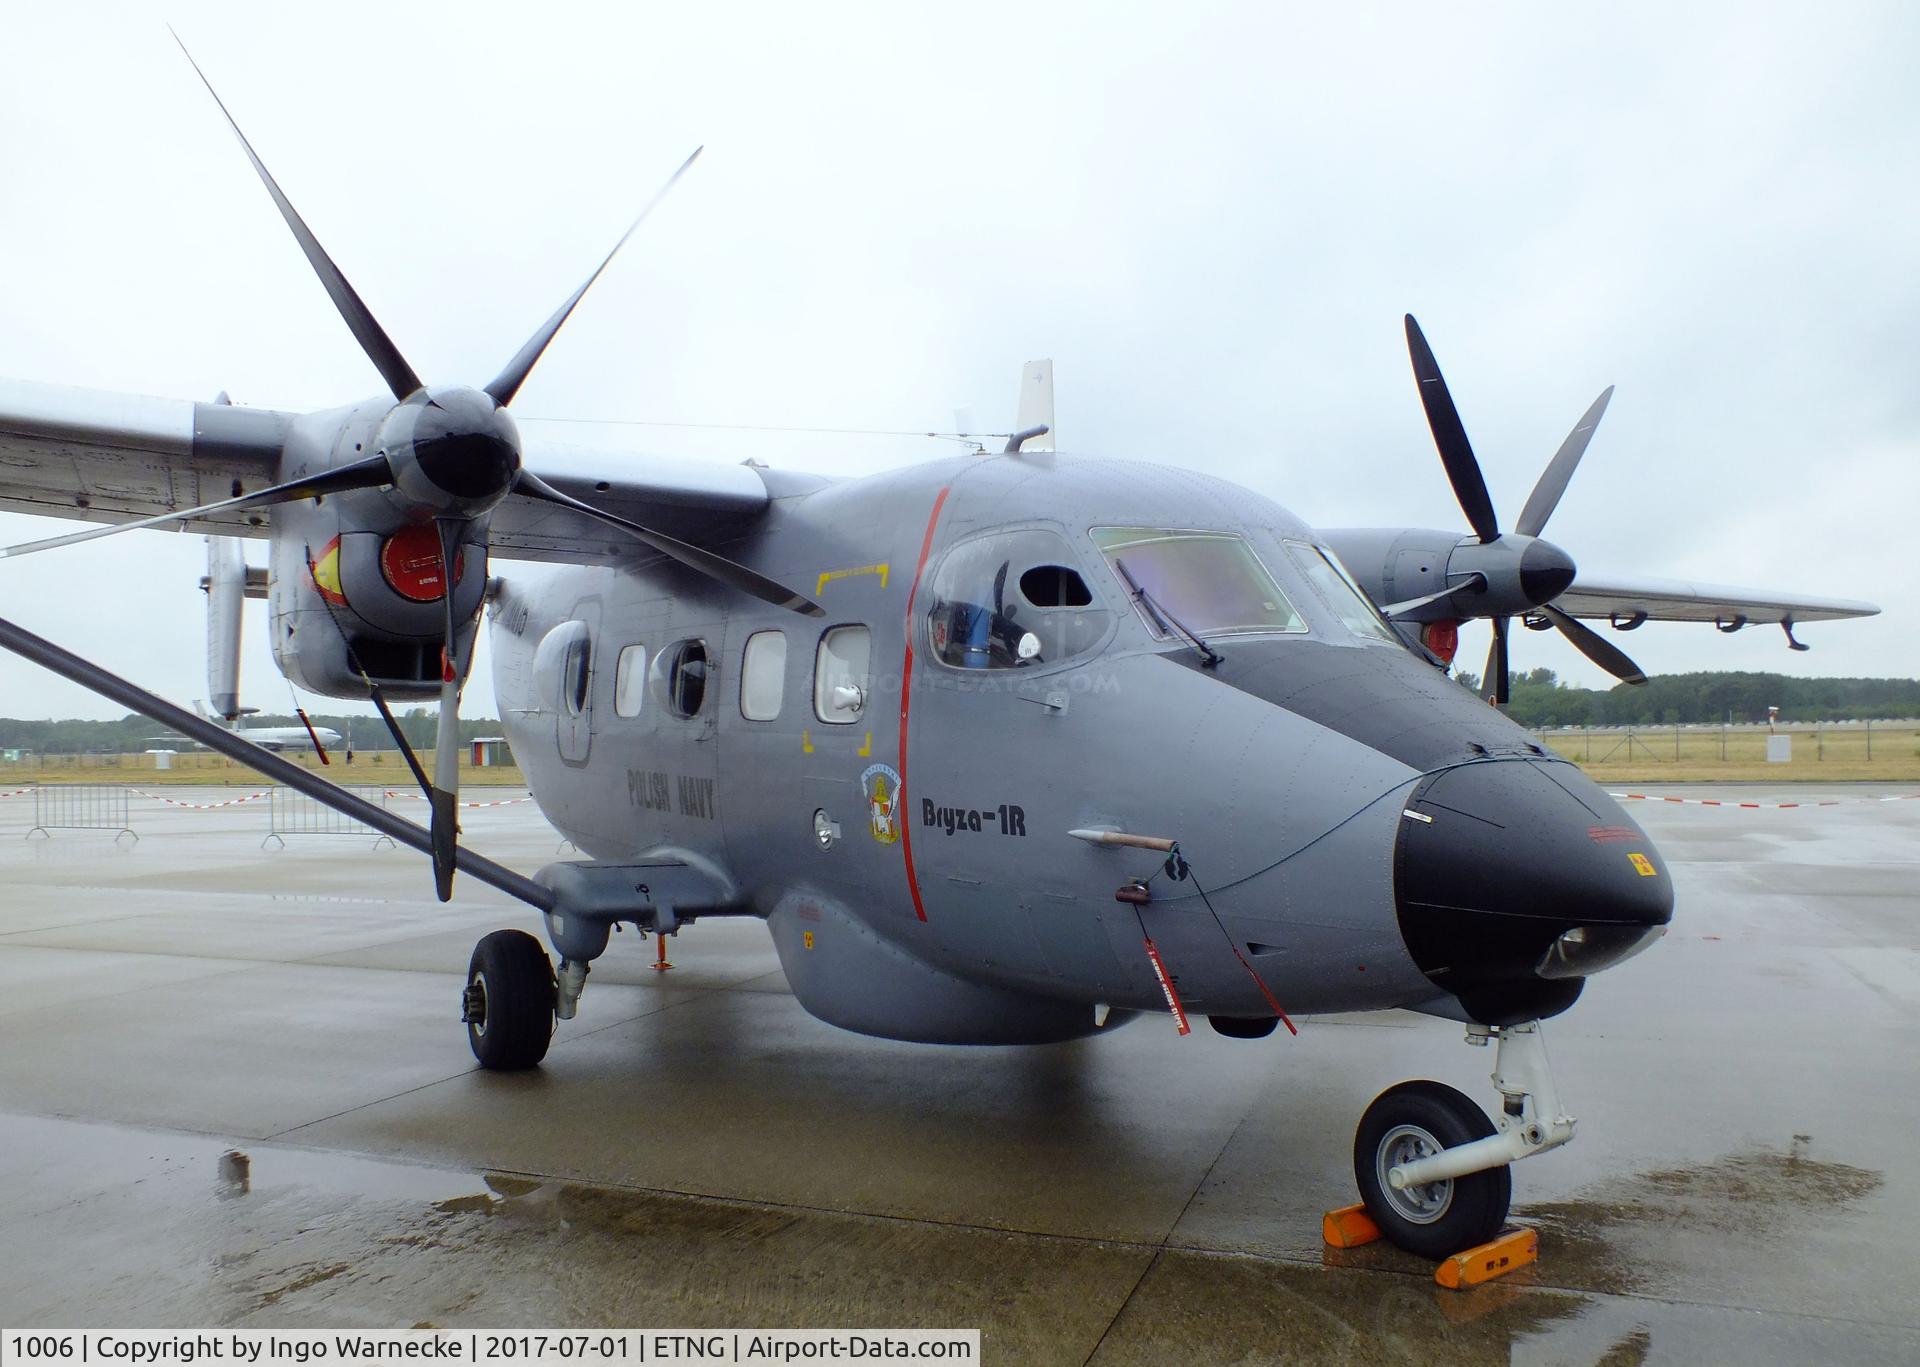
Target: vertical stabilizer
[1036,407]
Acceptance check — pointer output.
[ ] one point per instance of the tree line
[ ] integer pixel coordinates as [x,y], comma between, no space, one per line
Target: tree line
[134,733]
[1540,698]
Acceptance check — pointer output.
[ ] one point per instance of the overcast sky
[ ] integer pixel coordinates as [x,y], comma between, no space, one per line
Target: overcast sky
[1211,216]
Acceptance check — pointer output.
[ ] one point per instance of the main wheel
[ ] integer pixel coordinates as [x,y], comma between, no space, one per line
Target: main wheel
[509,1000]
[1435,1219]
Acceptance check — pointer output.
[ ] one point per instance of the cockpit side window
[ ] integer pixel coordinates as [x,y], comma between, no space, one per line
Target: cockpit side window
[1013,600]
[1208,583]
[1333,582]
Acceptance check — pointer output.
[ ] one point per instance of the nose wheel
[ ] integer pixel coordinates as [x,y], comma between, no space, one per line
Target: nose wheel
[1438,1218]
[509,1001]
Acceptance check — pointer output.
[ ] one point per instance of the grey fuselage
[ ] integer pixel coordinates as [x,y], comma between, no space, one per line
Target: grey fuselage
[1299,776]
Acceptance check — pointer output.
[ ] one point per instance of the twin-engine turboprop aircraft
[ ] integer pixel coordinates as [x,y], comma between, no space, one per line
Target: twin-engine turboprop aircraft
[1004,749]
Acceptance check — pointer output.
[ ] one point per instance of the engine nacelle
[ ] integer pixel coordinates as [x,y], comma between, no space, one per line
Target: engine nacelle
[341,593]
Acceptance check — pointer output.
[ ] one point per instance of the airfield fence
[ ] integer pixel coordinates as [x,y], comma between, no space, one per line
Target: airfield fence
[82,807]
[290,812]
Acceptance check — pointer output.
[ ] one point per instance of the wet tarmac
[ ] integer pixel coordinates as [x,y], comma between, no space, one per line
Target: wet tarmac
[233,1091]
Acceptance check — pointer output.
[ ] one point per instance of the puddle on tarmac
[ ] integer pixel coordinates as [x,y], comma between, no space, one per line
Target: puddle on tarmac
[1611,1237]
[112,1226]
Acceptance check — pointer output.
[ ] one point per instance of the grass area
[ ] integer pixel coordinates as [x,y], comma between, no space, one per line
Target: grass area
[1839,754]
[210,770]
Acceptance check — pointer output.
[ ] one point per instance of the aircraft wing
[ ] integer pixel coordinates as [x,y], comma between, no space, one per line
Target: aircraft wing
[1682,600]
[105,457]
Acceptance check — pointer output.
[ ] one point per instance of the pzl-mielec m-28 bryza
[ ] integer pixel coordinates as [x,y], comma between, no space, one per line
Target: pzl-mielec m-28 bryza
[1004,749]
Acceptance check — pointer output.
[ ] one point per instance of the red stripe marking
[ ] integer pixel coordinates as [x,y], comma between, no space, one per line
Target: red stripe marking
[906,700]
[1749,804]
[1173,997]
[1285,1020]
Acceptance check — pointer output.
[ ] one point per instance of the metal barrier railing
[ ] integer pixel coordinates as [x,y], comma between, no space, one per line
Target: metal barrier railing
[294,813]
[82,807]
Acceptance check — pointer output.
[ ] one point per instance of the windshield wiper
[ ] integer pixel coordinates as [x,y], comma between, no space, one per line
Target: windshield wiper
[1168,623]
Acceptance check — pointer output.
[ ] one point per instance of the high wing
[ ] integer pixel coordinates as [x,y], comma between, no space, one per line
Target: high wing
[105,457]
[1682,600]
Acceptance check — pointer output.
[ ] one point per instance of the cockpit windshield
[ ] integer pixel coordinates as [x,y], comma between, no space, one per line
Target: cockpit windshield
[1211,583]
[1348,601]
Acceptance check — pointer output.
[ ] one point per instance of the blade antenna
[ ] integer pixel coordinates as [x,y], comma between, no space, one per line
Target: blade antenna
[507,383]
[359,318]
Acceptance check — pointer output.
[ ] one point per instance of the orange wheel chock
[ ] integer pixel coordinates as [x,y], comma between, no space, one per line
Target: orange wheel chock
[1348,1227]
[1513,1249]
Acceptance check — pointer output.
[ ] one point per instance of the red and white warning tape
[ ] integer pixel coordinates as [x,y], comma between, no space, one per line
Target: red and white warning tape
[1767,806]
[503,802]
[200,806]
[17,792]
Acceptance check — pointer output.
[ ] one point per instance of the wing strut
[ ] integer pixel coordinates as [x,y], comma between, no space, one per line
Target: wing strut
[109,685]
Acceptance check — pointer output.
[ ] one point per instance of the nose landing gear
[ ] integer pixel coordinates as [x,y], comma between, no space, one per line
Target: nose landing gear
[1432,1168]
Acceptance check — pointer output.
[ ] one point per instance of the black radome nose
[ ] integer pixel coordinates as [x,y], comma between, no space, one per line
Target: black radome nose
[1515,879]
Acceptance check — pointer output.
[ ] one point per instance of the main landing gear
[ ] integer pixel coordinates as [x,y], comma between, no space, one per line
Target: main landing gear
[1432,1169]
[510,1001]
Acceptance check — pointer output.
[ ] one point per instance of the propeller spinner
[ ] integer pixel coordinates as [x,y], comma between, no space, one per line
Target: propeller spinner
[1514,572]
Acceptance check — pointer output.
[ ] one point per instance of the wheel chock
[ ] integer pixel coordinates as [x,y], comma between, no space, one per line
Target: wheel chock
[1512,1250]
[1348,1227]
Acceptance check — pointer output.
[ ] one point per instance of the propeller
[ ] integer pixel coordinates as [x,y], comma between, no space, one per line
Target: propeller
[1515,571]
[454,453]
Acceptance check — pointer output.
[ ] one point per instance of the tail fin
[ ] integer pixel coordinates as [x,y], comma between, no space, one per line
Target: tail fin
[1036,407]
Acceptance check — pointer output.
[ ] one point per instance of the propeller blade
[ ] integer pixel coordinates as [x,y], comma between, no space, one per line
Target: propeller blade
[379,347]
[1494,683]
[443,798]
[507,383]
[370,473]
[716,567]
[1594,646]
[1553,480]
[1450,435]
[1476,580]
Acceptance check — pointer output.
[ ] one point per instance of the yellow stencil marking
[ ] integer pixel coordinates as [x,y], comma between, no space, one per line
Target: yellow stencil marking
[806,938]
[1642,863]
[866,748]
[806,742]
[830,575]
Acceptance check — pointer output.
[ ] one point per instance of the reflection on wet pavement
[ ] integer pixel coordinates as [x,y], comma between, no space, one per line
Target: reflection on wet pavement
[221,1107]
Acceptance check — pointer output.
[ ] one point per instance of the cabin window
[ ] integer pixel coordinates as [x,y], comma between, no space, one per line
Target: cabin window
[1209,583]
[840,674]
[1347,599]
[563,668]
[577,674]
[630,680]
[1011,601]
[679,677]
[763,675]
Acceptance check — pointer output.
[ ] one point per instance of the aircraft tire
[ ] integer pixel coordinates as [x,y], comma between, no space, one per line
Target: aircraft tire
[509,1001]
[1441,1218]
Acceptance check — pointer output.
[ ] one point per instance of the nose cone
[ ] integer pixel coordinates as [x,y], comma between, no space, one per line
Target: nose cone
[1545,572]
[1516,878]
